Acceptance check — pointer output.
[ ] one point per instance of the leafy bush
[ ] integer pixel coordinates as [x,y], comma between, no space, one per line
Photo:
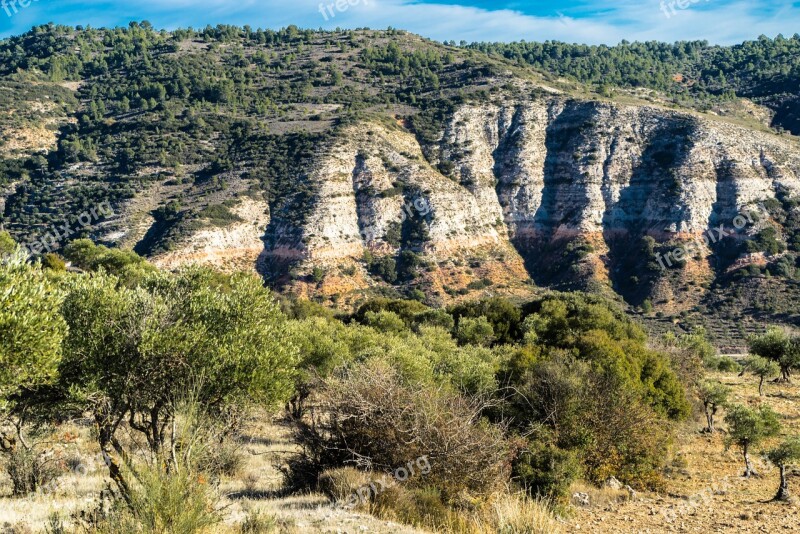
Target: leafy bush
[504,316]
[31,327]
[405,309]
[591,414]
[84,254]
[599,398]
[726,364]
[478,331]
[53,262]
[385,321]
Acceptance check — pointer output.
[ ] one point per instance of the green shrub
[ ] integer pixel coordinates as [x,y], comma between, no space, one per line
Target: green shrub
[438,318]
[53,262]
[726,364]
[31,328]
[385,321]
[477,331]
[176,502]
[589,379]
[542,468]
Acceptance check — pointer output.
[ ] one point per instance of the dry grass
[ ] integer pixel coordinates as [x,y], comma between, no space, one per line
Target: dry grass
[519,514]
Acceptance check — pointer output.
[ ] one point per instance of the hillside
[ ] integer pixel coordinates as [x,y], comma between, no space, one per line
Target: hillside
[343,165]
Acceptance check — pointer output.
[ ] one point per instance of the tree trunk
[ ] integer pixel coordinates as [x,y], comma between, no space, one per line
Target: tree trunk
[709,421]
[783,490]
[114,469]
[111,451]
[748,469]
[761,386]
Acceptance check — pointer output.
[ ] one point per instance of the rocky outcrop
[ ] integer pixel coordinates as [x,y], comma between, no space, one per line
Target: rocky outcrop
[542,174]
[234,247]
[550,188]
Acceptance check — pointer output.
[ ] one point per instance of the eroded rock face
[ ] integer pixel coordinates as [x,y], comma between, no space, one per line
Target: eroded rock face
[376,194]
[231,248]
[550,188]
[572,167]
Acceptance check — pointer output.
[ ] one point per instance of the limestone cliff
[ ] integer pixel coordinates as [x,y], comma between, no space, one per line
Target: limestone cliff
[573,185]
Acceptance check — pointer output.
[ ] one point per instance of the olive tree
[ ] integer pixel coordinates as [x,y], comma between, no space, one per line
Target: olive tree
[713,395]
[31,328]
[776,345]
[131,352]
[762,368]
[747,427]
[786,453]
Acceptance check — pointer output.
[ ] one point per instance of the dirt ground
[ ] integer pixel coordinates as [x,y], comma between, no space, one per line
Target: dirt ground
[704,488]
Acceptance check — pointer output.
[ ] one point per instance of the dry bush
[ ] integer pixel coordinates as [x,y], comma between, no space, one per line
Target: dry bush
[226,459]
[30,470]
[339,484]
[630,441]
[601,497]
[420,507]
[19,528]
[257,523]
[371,419]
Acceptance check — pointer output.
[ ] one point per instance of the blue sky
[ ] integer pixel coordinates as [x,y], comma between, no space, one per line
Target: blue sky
[584,21]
